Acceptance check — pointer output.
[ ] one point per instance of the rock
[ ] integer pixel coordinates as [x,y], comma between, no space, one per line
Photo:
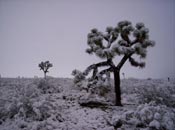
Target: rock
[140,125]
[93,101]
[154,124]
[136,122]
[117,123]
[157,116]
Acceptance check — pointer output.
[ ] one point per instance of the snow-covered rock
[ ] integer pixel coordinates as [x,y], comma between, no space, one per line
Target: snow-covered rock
[154,124]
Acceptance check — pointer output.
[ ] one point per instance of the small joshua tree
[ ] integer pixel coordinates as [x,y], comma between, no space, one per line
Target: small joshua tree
[45,66]
[123,40]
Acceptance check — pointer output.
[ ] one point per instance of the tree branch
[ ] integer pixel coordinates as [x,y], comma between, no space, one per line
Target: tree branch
[95,66]
[133,42]
[109,44]
[126,38]
[125,57]
[123,60]
[95,73]
[111,63]
[105,71]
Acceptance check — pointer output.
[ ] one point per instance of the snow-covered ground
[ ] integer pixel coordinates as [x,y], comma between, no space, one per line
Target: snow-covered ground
[54,104]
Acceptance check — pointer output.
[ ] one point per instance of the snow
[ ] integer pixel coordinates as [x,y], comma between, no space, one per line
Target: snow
[54,104]
[154,124]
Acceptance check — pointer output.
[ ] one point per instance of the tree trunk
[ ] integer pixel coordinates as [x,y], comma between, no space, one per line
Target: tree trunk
[44,75]
[117,87]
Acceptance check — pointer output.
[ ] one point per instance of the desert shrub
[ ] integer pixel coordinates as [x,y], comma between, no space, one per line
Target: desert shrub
[3,111]
[79,80]
[42,110]
[22,104]
[129,86]
[100,86]
[37,110]
[78,76]
[22,100]
[25,108]
[46,86]
[29,109]
[159,91]
[158,94]
[18,97]
[147,116]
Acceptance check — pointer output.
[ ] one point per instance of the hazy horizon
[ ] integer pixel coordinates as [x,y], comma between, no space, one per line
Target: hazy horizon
[32,31]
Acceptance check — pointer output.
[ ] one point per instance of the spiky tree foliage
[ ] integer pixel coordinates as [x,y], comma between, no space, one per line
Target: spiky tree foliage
[123,40]
[44,66]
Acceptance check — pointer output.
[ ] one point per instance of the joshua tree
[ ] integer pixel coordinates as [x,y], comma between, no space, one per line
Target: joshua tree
[123,40]
[168,79]
[45,66]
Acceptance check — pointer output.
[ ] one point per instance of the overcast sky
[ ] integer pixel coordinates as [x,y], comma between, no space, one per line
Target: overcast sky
[32,31]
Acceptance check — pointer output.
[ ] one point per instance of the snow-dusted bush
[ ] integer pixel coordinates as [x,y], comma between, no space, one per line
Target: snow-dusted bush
[46,86]
[100,86]
[27,103]
[145,91]
[79,78]
[21,100]
[44,109]
[147,116]
[159,94]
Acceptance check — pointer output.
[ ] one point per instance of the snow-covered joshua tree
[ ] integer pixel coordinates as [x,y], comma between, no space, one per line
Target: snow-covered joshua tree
[123,40]
[45,66]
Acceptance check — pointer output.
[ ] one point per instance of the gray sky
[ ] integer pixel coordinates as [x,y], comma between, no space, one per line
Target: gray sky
[32,31]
